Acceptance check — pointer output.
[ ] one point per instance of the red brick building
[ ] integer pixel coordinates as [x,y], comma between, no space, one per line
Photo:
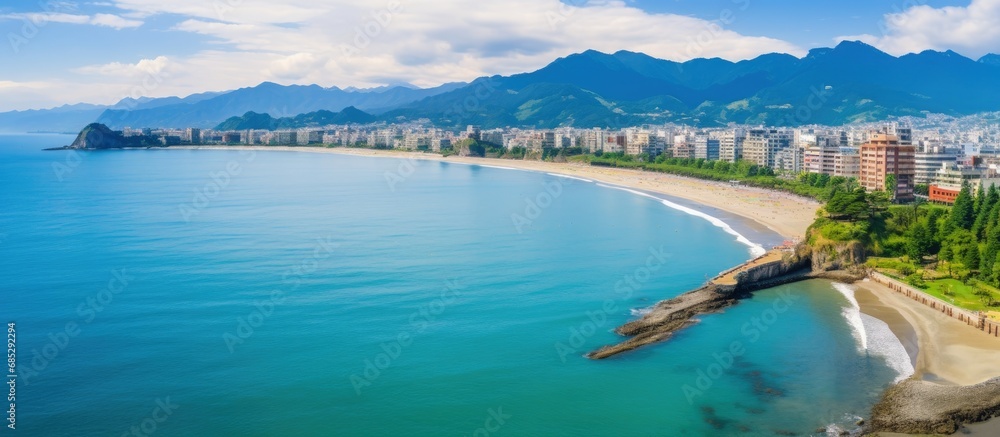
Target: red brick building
[942,195]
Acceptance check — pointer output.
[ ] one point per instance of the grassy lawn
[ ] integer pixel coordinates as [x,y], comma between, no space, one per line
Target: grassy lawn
[961,295]
[939,283]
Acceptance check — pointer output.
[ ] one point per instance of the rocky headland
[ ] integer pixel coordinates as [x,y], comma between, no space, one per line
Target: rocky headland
[96,136]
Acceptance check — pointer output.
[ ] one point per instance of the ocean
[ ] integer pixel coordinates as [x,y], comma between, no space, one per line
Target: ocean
[225,292]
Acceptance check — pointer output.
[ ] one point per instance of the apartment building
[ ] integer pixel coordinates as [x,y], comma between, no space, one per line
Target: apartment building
[884,155]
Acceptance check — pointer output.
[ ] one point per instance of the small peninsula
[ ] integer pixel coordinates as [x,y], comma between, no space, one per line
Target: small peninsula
[97,136]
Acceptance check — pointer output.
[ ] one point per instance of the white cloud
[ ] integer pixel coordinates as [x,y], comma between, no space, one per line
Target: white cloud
[295,66]
[362,43]
[42,18]
[426,42]
[147,67]
[973,30]
[114,21]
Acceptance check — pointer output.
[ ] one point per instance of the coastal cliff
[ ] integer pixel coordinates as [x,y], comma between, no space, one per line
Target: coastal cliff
[777,267]
[830,256]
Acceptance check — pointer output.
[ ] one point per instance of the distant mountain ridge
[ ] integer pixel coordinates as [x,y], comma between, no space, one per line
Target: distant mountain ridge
[253,120]
[271,98]
[206,110]
[852,82]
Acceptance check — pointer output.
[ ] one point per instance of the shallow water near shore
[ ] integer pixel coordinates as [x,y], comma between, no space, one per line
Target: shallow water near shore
[446,300]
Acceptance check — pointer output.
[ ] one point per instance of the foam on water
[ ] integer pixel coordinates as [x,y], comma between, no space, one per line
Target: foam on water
[884,343]
[569,177]
[755,249]
[853,315]
[639,312]
[874,336]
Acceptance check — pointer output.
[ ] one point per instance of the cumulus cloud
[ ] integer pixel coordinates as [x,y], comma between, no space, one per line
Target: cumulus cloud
[973,30]
[350,42]
[363,43]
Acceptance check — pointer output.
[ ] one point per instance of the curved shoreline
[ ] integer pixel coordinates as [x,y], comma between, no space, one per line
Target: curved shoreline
[760,211]
[953,367]
[662,184]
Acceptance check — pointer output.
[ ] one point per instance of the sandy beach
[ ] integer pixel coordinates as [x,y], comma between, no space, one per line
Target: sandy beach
[943,350]
[786,214]
[947,351]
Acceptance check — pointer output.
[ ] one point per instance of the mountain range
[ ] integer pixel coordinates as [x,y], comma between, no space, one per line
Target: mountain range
[253,120]
[852,82]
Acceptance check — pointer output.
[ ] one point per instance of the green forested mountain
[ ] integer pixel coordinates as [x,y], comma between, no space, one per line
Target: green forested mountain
[253,120]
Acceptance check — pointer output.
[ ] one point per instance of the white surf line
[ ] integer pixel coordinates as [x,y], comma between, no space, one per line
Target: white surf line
[853,315]
[484,165]
[884,343]
[755,249]
[639,312]
[569,177]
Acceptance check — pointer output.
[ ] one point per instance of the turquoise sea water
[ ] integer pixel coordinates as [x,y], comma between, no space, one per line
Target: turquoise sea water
[270,293]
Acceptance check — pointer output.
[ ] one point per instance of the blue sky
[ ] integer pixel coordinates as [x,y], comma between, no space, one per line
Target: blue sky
[56,52]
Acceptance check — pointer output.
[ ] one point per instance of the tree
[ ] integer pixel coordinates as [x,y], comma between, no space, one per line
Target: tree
[919,243]
[990,200]
[971,257]
[852,206]
[982,219]
[945,254]
[878,202]
[963,213]
[978,197]
[990,254]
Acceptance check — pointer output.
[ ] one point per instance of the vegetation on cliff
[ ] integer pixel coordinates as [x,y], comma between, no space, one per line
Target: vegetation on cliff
[953,253]
[98,136]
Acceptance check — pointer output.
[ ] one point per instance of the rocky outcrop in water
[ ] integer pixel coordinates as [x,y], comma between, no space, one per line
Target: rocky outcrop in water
[97,136]
[773,269]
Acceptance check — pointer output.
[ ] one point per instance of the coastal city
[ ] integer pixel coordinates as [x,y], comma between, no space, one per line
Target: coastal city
[927,163]
[494,219]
